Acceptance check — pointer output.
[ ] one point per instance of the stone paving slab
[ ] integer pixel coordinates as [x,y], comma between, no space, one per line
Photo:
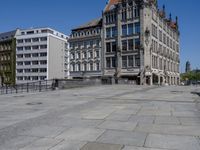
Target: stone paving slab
[81,134]
[172,142]
[167,120]
[118,117]
[69,145]
[154,113]
[141,148]
[184,113]
[169,129]
[130,111]
[98,114]
[189,120]
[42,144]
[123,137]
[48,131]
[77,122]
[142,119]
[101,146]
[17,142]
[118,125]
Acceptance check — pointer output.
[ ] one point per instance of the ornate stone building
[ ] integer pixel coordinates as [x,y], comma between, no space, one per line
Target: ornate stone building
[139,43]
[86,50]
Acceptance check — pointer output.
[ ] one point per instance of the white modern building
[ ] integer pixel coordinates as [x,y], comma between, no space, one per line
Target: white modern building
[41,54]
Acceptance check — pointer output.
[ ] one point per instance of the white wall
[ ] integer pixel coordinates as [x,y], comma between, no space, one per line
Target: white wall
[56,51]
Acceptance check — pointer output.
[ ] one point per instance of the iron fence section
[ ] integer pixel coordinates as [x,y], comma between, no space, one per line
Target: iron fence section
[39,86]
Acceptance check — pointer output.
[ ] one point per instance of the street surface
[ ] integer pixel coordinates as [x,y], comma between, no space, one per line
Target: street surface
[118,117]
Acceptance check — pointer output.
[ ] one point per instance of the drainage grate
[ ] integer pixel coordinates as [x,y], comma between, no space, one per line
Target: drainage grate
[177,91]
[34,103]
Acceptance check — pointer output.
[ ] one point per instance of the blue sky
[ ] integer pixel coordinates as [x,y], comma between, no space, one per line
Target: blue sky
[66,14]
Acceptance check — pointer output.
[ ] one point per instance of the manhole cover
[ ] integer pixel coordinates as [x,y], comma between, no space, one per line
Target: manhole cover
[19,96]
[34,103]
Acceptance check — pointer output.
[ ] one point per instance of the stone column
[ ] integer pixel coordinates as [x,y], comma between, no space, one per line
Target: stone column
[151,80]
[176,82]
[158,79]
[169,80]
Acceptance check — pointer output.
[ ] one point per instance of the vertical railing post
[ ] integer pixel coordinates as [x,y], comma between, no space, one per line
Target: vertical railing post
[46,85]
[22,88]
[27,87]
[53,84]
[16,88]
[6,89]
[40,88]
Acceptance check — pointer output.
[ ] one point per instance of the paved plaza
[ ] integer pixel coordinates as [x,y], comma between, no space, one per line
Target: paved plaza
[118,117]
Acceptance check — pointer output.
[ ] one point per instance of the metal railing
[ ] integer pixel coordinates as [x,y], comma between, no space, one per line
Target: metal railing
[39,86]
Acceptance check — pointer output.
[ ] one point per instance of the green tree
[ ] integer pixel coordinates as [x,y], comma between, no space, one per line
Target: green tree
[190,76]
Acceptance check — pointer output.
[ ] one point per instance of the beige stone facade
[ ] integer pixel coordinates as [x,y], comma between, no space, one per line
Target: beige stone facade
[146,43]
[139,44]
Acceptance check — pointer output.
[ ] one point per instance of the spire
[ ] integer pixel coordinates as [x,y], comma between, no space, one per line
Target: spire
[177,21]
[156,3]
[170,17]
[163,8]
[162,12]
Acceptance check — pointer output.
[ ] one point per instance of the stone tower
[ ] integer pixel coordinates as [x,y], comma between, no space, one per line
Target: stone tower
[187,67]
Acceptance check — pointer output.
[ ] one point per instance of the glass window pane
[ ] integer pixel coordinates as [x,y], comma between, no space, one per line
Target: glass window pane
[124,30]
[124,61]
[130,45]
[130,61]
[130,29]
[124,45]
[137,28]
